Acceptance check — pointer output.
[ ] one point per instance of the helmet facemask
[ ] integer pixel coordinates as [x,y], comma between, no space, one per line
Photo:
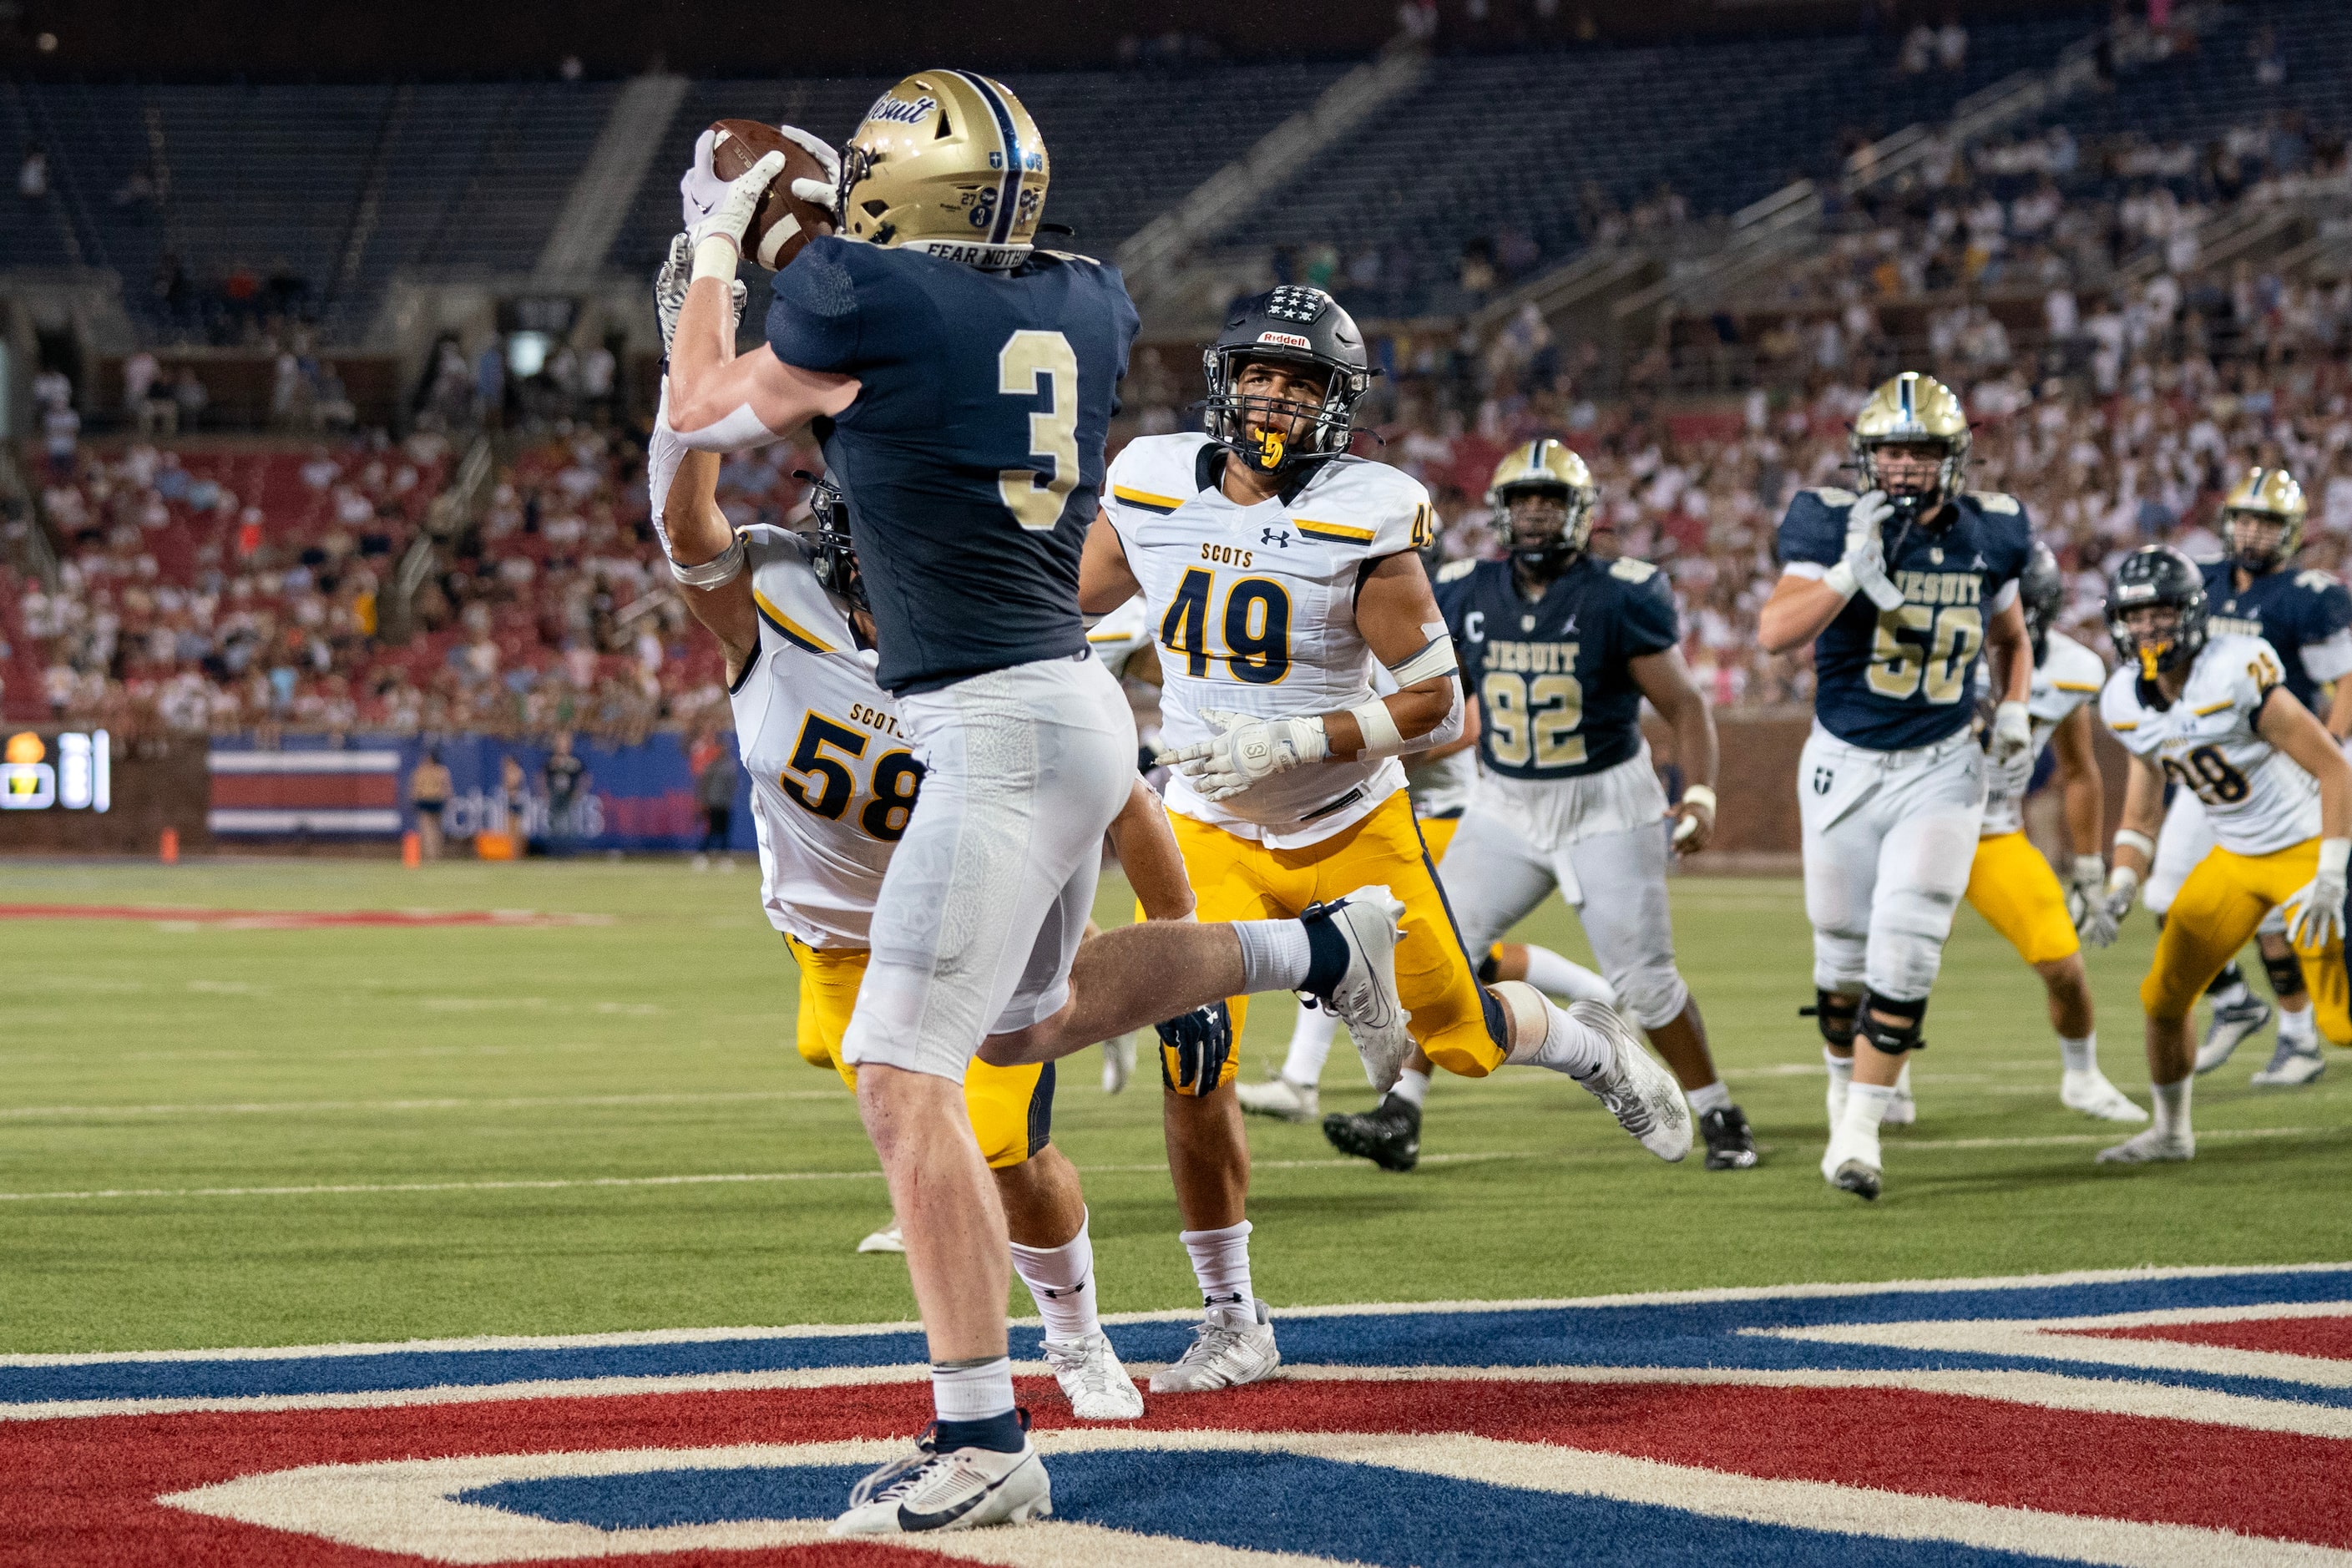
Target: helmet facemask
[2260,541]
[1545,526]
[1924,471]
[832,555]
[1258,405]
[2153,634]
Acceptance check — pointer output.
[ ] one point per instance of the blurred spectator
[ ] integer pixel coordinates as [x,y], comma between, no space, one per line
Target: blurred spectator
[1952,45]
[140,373]
[188,393]
[33,175]
[714,791]
[567,780]
[430,789]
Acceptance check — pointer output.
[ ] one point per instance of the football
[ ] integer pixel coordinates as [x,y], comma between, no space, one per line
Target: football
[783,222]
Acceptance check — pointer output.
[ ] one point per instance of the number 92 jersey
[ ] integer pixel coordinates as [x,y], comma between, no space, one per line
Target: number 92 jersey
[972,456]
[1554,678]
[2257,799]
[1254,612]
[832,782]
[1893,680]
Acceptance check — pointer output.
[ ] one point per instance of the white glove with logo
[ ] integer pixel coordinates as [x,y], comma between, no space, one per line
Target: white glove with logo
[1862,567]
[2087,902]
[669,291]
[717,206]
[2315,913]
[1244,750]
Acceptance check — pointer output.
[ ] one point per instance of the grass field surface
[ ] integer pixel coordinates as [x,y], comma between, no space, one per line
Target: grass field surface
[237,1131]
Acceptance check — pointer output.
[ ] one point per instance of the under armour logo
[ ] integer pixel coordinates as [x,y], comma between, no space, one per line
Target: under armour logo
[1274,536]
[1823,779]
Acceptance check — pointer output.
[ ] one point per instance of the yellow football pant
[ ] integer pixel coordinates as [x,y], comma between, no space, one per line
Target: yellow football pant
[1236,879]
[2216,908]
[1011,1108]
[2011,885]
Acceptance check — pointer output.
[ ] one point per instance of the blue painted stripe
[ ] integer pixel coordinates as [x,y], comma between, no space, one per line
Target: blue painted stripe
[1008,193]
[1272,1503]
[1704,1334]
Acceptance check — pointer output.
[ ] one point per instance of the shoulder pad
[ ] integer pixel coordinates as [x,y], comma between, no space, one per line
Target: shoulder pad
[1626,569]
[1454,570]
[1830,495]
[1996,502]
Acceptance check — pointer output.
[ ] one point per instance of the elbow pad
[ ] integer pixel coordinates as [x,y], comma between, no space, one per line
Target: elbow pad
[1449,729]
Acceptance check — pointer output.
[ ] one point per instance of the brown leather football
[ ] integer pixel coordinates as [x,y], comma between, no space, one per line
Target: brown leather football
[781,223]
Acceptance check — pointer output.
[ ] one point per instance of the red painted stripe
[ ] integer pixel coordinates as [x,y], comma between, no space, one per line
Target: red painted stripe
[83,1490]
[285,791]
[282,919]
[2329,1338]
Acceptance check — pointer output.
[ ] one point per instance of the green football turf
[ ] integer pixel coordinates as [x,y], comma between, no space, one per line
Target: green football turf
[501,1075]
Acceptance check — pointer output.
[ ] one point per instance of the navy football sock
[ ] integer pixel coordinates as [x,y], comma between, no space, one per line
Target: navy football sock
[1002,1433]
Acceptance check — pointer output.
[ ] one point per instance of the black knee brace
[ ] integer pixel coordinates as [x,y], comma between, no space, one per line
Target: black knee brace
[2286,974]
[2231,975]
[1490,968]
[1892,1038]
[1833,1015]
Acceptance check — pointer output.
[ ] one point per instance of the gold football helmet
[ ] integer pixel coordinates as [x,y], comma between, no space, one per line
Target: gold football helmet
[946,162]
[2264,495]
[1544,466]
[1912,410]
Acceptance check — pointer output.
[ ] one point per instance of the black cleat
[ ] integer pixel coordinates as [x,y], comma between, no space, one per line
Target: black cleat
[1390,1137]
[1730,1146]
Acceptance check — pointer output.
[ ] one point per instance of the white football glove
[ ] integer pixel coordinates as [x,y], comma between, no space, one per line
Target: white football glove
[2087,902]
[1866,551]
[669,291]
[1244,750]
[2315,913]
[717,206]
[2123,887]
[824,193]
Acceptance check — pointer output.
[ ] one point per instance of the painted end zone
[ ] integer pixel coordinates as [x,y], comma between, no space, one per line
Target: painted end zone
[2017,1421]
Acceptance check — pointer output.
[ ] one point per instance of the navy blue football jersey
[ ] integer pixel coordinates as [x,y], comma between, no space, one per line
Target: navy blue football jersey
[1894,680]
[1555,687]
[2306,615]
[972,457]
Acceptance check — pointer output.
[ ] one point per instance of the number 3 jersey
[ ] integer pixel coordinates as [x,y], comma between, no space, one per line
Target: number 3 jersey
[1554,677]
[1254,612]
[832,782]
[1889,680]
[2257,799]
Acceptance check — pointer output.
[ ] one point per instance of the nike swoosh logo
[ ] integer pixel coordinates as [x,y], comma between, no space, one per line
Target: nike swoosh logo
[910,1520]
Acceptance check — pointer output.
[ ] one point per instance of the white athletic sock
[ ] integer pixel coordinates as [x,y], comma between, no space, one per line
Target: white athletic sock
[1903,1080]
[1412,1087]
[2301,1029]
[1061,1280]
[1221,1263]
[1577,1050]
[1554,975]
[1275,954]
[1715,1096]
[2172,1107]
[1310,1045]
[1841,1075]
[974,1392]
[2083,1055]
[1865,1108]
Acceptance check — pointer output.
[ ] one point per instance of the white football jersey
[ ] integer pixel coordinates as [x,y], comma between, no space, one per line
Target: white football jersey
[2257,799]
[1121,635]
[2069,676]
[833,781]
[1253,611]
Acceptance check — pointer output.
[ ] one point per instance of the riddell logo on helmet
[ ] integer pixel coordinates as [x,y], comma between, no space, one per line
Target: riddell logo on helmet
[1287,339]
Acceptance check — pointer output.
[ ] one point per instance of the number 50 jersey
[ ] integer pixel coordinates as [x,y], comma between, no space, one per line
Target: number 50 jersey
[832,782]
[2257,799]
[1889,680]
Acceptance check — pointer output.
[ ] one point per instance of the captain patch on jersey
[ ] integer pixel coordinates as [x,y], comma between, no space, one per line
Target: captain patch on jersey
[1554,678]
[1890,680]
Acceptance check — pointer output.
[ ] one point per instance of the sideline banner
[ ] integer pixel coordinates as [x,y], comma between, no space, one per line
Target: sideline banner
[634,797]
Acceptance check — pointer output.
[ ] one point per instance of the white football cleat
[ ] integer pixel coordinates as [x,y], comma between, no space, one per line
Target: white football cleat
[954,1489]
[1851,1162]
[1366,996]
[1232,1345]
[1902,1110]
[885,1240]
[2089,1092]
[1277,1096]
[1118,1063]
[2228,1028]
[2150,1148]
[1637,1089]
[2290,1065]
[1094,1379]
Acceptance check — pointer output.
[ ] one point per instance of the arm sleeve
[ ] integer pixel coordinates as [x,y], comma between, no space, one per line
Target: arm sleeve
[1650,623]
[813,322]
[1811,534]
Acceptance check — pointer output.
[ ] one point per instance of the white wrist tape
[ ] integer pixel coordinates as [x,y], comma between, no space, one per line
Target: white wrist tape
[1840,577]
[1380,736]
[1435,658]
[2125,837]
[716,257]
[721,570]
[2333,855]
[1699,795]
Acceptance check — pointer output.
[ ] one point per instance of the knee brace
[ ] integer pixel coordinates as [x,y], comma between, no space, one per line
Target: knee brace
[1892,1038]
[2231,975]
[1834,1014]
[2285,973]
[1490,968]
